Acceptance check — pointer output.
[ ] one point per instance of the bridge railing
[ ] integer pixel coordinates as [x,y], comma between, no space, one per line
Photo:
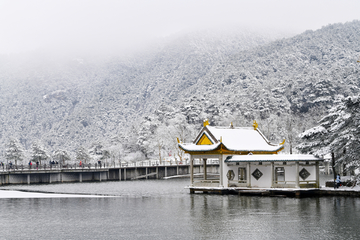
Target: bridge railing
[26,167]
[99,165]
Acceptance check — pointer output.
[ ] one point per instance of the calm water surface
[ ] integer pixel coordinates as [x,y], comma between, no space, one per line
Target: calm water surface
[163,209]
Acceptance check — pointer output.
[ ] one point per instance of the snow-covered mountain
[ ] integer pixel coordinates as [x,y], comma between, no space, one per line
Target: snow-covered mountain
[138,103]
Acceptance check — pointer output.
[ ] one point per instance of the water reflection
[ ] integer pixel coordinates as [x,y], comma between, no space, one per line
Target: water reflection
[165,210]
[244,217]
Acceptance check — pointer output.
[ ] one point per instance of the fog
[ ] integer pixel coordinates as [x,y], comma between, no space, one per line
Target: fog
[112,26]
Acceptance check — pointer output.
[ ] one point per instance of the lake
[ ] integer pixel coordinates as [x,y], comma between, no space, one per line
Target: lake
[163,209]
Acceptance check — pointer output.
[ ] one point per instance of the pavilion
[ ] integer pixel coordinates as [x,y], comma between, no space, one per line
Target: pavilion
[247,159]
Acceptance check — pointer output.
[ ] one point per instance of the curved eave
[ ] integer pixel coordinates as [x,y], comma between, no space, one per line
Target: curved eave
[273,158]
[278,149]
[192,148]
[198,148]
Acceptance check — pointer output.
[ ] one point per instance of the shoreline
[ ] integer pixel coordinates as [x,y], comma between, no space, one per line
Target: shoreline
[275,192]
[14,194]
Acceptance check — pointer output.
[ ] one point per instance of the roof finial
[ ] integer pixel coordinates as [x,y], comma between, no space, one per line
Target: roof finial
[206,122]
[255,125]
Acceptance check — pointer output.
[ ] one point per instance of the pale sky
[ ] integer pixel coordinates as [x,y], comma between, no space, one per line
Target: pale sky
[98,25]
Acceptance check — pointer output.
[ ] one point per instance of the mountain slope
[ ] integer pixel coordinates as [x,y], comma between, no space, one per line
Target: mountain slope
[71,102]
[285,85]
[139,103]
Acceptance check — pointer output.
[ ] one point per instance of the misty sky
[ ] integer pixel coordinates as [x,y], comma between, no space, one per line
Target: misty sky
[95,25]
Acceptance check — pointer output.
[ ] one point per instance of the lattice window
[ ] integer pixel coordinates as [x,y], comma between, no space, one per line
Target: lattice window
[230,175]
[279,174]
[242,174]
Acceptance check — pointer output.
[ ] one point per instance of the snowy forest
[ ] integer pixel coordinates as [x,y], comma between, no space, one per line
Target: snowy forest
[133,107]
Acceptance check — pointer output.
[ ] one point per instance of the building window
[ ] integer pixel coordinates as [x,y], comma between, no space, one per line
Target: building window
[242,174]
[279,174]
[230,175]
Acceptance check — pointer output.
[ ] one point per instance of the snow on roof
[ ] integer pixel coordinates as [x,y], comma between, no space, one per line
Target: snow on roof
[198,148]
[242,139]
[273,158]
[236,139]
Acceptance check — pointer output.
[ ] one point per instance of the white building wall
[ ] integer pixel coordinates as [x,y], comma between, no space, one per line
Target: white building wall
[225,170]
[290,172]
[291,175]
[265,180]
[233,167]
[311,169]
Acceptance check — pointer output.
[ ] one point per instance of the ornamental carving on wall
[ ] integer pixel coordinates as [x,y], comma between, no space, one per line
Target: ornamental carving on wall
[257,174]
[304,174]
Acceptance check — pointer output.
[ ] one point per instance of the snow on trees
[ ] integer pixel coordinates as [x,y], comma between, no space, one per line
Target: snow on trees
[98,153]
[82,155]
[105,155]
[38,153]
[61,156]
[222,77]
[338,132]
[146,135]
[14,151]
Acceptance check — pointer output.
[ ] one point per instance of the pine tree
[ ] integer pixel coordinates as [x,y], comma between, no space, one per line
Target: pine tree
[96,151]
[105,155]
[82,155]
[14,151]
[338,132]
[61,156]
[38,153]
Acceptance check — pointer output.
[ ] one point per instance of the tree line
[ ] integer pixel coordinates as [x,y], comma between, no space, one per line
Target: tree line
[16,154]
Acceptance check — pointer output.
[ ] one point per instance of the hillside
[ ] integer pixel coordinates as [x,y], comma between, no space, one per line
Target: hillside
[286,85]
[65,101]
[134,105]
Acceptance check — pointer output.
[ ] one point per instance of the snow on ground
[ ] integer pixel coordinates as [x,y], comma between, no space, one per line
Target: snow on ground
[21,194]
[342,188]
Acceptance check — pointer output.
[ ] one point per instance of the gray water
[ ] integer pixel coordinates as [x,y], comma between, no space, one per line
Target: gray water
[163,209]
